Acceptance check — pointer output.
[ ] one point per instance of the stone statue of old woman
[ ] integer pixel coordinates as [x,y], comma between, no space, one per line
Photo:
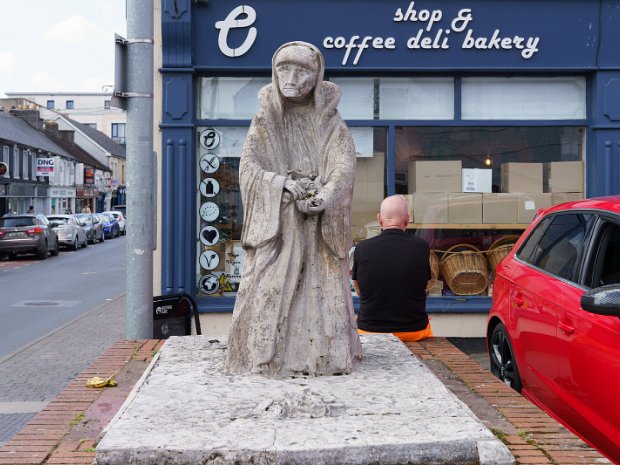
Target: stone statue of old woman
[293,313]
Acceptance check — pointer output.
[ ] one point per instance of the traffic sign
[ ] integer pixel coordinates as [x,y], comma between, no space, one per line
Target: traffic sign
[4,168]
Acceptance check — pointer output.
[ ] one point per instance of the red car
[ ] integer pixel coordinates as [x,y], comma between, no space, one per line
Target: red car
[554,327]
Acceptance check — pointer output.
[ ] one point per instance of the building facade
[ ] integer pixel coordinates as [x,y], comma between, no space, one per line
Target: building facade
[479,113]
[89,108]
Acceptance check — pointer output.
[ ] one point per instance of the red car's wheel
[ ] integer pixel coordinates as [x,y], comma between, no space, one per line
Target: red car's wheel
[503,363]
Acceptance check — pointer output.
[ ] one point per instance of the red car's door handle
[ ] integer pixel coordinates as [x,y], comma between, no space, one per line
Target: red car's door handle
[568,329]
[519,301]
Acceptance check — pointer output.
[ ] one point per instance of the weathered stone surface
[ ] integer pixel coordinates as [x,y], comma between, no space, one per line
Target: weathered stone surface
[391,410]
[293,312]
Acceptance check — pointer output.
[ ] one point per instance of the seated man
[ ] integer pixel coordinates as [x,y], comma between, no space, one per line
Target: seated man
[390,272]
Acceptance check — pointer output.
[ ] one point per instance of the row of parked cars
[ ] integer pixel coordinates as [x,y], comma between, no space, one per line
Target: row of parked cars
[35,233]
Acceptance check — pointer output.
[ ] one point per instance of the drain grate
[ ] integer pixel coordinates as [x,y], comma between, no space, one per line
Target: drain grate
[47,303]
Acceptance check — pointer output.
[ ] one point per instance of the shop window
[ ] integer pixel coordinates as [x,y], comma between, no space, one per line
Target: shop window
[358,98]
[520,98]
[229,97]
[69,105]
[416,98]
[220,257]
[475,188]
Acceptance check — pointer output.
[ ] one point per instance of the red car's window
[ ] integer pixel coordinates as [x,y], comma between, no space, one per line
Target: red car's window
[561,245]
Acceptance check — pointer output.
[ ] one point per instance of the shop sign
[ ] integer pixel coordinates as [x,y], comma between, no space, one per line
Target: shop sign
[418,33]
[86,194]
[62,193]
[45,166]
[89,176]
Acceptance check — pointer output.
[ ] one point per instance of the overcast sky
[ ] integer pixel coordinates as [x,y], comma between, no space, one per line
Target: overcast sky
[59,45]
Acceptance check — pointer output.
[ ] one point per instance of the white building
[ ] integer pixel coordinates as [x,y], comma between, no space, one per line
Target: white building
[89,108]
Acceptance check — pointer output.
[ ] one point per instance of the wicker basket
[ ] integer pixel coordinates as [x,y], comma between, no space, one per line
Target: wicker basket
[499,249]
[464,270]
[434,262]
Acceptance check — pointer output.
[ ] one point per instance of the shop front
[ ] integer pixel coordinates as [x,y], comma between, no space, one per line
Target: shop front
[480,114]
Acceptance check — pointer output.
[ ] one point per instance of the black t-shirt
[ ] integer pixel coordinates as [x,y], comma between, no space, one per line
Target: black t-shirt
[392,271]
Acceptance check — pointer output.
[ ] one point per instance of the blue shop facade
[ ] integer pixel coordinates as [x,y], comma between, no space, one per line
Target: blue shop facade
[479,112]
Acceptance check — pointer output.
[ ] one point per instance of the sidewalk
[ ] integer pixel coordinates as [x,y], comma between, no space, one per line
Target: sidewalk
[66,431]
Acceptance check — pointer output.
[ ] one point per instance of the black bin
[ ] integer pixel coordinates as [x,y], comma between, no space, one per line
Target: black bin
[172,316]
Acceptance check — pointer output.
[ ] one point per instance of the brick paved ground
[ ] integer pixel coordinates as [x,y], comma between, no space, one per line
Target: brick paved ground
[33,376]
[66,431]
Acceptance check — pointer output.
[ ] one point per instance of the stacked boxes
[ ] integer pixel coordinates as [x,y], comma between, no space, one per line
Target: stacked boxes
[564,176]
[522,177]
[430,182]
[443,192]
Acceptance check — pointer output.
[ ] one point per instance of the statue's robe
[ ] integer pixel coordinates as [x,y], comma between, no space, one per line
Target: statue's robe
[294,313]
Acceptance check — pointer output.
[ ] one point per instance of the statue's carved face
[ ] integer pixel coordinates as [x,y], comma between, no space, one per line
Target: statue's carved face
[296,68]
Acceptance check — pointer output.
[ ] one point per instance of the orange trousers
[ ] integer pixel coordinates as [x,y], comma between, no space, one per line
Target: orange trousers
[407,336]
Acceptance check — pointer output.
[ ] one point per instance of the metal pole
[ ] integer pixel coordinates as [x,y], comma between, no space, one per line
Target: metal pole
[140,162]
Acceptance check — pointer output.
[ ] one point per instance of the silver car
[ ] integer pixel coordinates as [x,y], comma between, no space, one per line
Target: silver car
[69,230]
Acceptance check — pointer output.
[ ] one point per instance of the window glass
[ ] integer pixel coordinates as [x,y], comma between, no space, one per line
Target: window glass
[478,188]
[606,270]
[220,257]
[520,98]
[69,105]
[560,247]
[16,163]
[106,104]
[416,98]
[118,133]
[529,247]
[25,164]
[229,97]
[51,105]
[358,97]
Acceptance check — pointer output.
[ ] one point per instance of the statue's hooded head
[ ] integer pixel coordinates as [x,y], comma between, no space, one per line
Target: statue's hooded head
[298,69]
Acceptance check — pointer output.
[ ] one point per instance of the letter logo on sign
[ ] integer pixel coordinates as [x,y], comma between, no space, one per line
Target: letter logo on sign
[231,22]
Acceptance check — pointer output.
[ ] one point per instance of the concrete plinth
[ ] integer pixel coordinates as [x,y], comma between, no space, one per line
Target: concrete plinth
[391,410]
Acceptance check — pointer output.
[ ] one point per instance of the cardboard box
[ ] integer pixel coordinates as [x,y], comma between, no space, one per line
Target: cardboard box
[522,177]
[563,176]
[465,207]
[499,208]
[434,176]
[476,180]
[561,197]
[529,204]
[430,208]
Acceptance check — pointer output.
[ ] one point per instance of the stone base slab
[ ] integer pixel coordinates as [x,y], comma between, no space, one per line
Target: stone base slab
[391,410]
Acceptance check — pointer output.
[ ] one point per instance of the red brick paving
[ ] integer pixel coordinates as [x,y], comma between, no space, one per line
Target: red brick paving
[65,432]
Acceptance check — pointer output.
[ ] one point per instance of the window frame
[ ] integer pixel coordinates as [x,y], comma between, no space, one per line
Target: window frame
[467,304]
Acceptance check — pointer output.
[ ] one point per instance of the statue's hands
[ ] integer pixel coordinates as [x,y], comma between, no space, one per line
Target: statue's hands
[296,190]
[311,207]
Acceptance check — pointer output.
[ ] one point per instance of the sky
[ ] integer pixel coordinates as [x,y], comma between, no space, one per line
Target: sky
[59,45]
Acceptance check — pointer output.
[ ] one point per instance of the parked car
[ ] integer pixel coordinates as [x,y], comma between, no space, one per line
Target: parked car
[120,219]
[92,227]
[69,230]
[120,208]
[554,328]
[110,225]
[27,233]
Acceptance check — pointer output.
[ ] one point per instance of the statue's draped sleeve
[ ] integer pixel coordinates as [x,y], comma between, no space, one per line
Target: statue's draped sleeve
[339,168]
[261,188]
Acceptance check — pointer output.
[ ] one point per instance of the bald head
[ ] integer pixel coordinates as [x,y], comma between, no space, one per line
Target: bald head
[393,213]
